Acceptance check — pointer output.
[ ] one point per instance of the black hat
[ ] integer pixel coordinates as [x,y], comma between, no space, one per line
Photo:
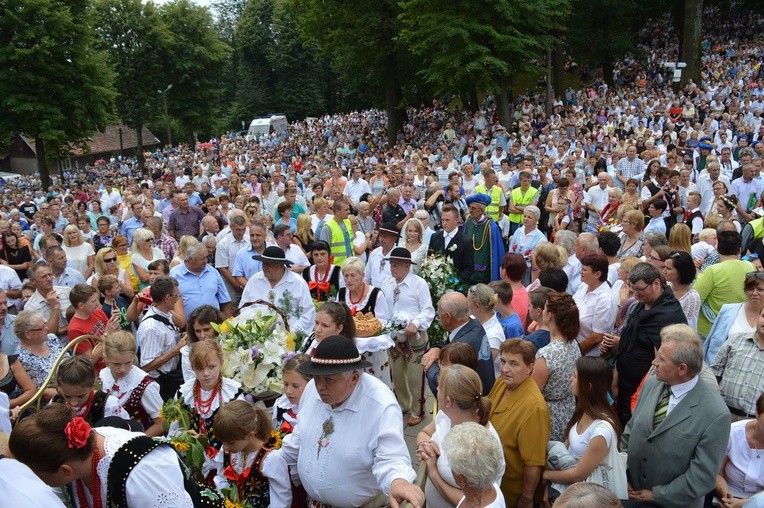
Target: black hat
[388,228]
[273,254]
[333,355]
[400,254]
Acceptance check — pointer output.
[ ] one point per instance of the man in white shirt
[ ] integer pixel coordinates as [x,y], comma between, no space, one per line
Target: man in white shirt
[409,298]
[49,300]
[225,256]
[377,271]
[282,288]
[283,236]
[596,199]
[352,434]
[356,187]
[159,339]
[706,182]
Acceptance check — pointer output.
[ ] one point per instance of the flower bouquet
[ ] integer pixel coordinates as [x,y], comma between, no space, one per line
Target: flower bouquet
[611,225]
[439,273]
[191,446]
[255,346]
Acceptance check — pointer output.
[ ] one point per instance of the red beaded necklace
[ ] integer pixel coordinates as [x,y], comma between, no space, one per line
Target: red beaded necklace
[96,489]
[363,292]
[203,406]
[325,277]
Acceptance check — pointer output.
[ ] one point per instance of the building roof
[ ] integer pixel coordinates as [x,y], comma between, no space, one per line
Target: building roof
[108,141]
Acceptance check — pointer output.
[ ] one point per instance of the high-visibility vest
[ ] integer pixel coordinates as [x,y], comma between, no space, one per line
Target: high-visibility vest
[340,246]
[491,210]
[518,198]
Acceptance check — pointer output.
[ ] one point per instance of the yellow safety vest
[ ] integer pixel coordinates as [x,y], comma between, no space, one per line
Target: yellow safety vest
[491,210]
[518,198]
[339,248]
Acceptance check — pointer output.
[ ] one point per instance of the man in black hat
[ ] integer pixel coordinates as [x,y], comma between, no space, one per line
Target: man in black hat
[378,266]
[408,297]
[349,449]
[283,288]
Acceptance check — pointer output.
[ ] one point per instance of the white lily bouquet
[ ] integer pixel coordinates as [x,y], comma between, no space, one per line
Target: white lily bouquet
[255,346]
[439,273]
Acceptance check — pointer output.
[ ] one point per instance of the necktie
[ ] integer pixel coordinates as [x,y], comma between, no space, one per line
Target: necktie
[661,409]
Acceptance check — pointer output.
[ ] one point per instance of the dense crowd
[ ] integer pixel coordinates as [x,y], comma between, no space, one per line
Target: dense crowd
[609,328]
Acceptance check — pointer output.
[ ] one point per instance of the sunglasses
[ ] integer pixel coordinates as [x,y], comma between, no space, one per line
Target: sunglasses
[755,275]
[110,260]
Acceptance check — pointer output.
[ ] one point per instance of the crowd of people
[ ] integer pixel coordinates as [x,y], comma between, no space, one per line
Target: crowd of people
[608,342]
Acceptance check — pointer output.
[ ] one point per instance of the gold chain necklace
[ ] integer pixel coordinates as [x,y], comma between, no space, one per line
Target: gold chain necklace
[485,236]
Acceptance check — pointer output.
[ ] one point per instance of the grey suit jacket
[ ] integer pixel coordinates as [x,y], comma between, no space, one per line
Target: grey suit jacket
[680,458]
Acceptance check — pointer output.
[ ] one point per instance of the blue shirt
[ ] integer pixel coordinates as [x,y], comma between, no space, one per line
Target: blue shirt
[244,265]
[9,343]
[539,338]
[206,288]
[129,227]
[513,326]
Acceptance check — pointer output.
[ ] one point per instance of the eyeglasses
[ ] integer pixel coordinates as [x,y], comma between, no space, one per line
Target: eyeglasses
[640,290]
[755,275]
[110,260]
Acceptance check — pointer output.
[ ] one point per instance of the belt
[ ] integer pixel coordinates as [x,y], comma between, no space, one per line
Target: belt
[739,412]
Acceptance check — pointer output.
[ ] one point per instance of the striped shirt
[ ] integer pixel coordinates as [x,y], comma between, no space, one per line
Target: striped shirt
[631,168]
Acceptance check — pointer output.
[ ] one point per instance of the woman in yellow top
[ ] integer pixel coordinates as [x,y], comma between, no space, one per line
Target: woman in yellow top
[521,418]
[125,259]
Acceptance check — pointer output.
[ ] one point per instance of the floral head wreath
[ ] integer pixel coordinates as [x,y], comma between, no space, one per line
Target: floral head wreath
[77,432]
[728,202]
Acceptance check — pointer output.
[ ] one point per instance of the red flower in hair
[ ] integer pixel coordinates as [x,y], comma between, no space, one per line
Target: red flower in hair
[77,432]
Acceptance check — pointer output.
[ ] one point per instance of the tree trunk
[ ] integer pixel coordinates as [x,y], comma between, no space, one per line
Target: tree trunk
[502,106]
[393,97]
[474,101]
[692,36]
[139,148]
[42,164]
[558,70]
[549,89]
[607,71]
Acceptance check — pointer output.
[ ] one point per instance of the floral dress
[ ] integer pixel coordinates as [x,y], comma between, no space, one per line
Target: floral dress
[634,249]
[560,360]
[38,367]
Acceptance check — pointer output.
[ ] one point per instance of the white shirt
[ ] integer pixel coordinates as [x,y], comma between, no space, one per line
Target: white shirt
[9,280]
[706,190]
[228,247]
[410,299]
[678,392]
[597,310]
[157,476]
[296,256]
[573,270]
[123,388]
[40,304]
[19,486]
[303,312]
[377,271]
[155,339]
[272,467]
[597,197]
[366,446]
[354,190]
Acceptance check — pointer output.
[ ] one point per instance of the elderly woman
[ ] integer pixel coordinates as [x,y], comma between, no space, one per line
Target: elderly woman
[80,254]
[144,253]
[547,256]
[735,319]
[475,461]
[556,361]
[610,210]
[38,349]
[679,271]
[597,307]
[364,298]
[521,418]
[632,197]
[481,300]
[106,264]
[460,401]
[324,278]
[526,238]
[633,223]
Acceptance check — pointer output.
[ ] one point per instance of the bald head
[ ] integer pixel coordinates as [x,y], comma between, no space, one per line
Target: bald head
[453,310]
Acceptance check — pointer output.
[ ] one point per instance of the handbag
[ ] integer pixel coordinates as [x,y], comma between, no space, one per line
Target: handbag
[611,472]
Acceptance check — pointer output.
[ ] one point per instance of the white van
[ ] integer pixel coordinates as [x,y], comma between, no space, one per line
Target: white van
[268,124]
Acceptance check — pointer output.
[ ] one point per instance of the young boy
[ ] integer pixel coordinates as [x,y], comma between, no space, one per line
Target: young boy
[694,217]
[90,319]
[112,301]
[705,246]
[510,321]
[540,337]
